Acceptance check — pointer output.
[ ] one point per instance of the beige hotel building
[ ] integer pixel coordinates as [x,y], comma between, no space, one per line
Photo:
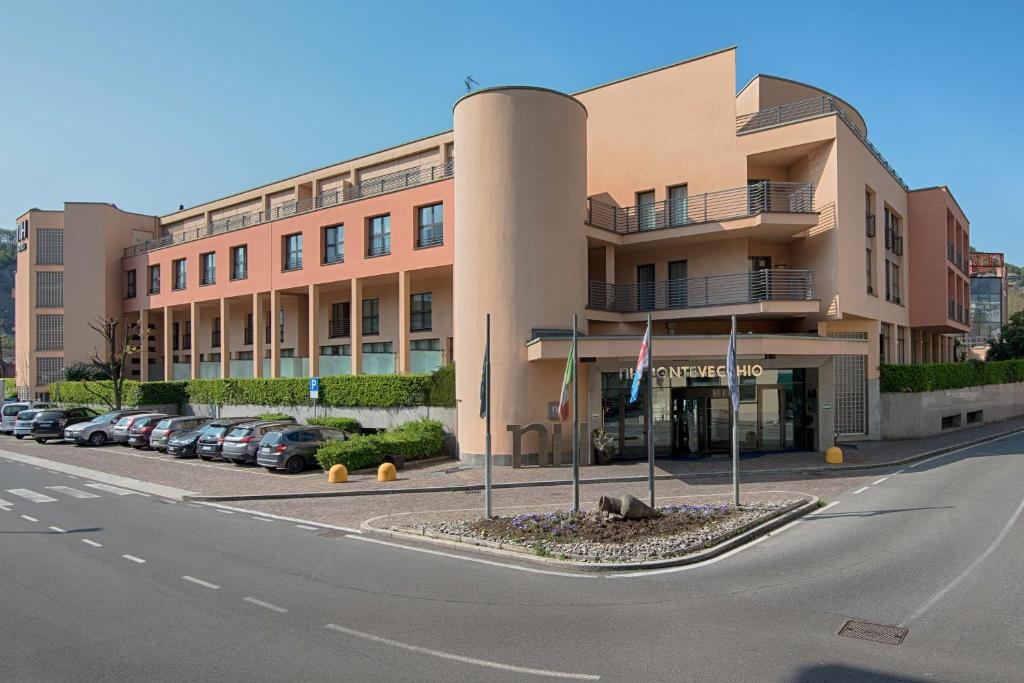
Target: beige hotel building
[675,193]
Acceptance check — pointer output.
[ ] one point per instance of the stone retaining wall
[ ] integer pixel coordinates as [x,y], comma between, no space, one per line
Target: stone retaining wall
[927,413]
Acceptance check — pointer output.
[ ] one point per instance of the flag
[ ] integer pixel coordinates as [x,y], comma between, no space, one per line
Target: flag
[643,361]
[731,371]
[567,379]
[484,402]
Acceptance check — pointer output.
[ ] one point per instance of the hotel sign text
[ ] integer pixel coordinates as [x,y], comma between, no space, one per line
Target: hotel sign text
[744,370]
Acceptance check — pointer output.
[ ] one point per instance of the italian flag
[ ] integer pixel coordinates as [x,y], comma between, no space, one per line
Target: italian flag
[567,379]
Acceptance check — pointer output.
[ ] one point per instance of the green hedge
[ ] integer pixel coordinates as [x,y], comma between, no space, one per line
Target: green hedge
[442,387]
[939,376]
[10,388]
[135,393]
[345,424]
[414,440]
[278,417]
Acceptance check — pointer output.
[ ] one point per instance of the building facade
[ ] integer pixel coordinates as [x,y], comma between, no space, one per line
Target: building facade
[989,292]
[665,195]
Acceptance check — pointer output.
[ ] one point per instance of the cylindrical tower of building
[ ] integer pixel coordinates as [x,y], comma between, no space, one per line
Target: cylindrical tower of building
[520,250]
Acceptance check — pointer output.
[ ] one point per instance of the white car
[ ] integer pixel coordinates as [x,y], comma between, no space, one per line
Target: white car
[10,412]
[23,423]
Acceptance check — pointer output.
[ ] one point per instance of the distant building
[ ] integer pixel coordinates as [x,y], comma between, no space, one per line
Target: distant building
[989,310]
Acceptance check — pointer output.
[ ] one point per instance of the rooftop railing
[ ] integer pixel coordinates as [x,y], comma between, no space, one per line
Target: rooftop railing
[802,110]
[701,292]
[391,182]
[761,197]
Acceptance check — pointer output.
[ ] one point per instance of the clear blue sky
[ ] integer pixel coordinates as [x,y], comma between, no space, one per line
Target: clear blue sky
[150,105]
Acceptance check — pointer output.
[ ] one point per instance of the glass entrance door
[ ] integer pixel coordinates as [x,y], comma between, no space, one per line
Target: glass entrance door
[771,424]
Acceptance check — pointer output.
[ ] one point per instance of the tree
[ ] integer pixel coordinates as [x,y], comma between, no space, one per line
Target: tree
[1010,343]
[110,365]
[80,372]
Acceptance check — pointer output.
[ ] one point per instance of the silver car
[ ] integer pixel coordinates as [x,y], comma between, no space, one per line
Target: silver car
[242,441]
[119,434]
[9,413]
[23,424]
[172,426]
[99,431]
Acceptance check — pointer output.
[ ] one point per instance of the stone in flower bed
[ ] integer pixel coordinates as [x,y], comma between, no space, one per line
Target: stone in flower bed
[594,536]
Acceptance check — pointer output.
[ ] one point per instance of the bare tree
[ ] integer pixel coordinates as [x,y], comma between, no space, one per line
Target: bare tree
[117,349]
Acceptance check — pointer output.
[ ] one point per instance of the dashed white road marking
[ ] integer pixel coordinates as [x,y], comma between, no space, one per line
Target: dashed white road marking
[862,489]
[876,483]
[31,519]
[116,490]
[29,494]
[58,530]
[463,659]
[74,493]
[5,503]
[265,605]
[194,505]
[71,476]
[94,544]
[200,582]
[262,519]
[137,560]
[307,527]
[227,512]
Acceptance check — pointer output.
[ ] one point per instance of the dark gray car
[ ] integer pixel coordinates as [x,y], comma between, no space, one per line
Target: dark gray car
[169,427]
[294,449]
[242,441]
[209,444]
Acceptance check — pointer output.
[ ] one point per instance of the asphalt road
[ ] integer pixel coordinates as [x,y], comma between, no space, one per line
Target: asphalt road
[99,583]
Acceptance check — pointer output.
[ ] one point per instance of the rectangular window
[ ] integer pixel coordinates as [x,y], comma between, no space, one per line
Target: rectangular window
[186,337]
[895,282]
[430,225]
[334,244]
[378,230]
[174,336]
[420,319]
[645,210]
[900,344]
[50,332]
[215,334]
[239,262]
[154,279]
[49,289]
[292,251]
[678,205]
[49,370]
[677,285]
[425,345]
[371,316]
[179,266]
[247,332]
[129,284]
[869,273]
[207,268]
[645,287]
[49,247]
[377,347]
[884,343]
[869,213]
[341,323]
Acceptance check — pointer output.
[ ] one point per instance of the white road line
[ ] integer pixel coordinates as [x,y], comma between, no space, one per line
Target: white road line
[265,605]
[31,495]
[822,509]
[900,471]
[94,544]
[5,503]
[200,582]
[137,560]
[227,512]
[74,493]
[282,518]
[58,530]
[71,476]
[116,490]
[195,505]
[876,483]
[261,519]
[862,489]
[306,526]
[31,519]
[462,659]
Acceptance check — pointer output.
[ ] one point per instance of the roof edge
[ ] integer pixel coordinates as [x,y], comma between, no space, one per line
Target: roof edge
[806,85]
[538,88]
[657,69]
[944,188]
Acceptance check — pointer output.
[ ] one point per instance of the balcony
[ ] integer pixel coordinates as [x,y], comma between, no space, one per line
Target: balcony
[803,110]
[702,292]
[869,224]
[392,182]
[762,197]
[339,328]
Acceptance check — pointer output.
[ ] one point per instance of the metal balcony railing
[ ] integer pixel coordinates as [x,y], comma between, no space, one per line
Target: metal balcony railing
[208,278]
[894,241]
[801,110]
[379,246]
[420,321]
[951,252]
[869,224]
[391,182]
[292,263]
[951,309]
[714,290]
[761,197]
[186,342]
[215,339]
[247,336]
[960,312]
[339,328]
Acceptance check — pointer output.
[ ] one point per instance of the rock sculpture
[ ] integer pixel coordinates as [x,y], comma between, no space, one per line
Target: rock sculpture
[626,507]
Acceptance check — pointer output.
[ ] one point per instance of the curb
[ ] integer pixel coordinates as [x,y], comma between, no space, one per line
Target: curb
[605,480]
[727,544]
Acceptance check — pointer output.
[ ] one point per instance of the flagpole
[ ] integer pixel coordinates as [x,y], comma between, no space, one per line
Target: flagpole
[575,419]
[650,413]
[735,432]
[488,510]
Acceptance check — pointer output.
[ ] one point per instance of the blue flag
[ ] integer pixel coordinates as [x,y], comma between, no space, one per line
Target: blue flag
[643,361]
[731,370]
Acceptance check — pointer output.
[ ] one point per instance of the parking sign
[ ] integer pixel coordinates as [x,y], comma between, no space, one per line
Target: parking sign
[314,387]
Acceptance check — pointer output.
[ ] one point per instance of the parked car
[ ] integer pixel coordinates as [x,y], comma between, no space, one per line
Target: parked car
[9,413]
[212,439]
[119,434]
[23,423]
[170,427]
[50,423]
[183,444]
[242,441]
[294,448]
[142,427]
[98,431]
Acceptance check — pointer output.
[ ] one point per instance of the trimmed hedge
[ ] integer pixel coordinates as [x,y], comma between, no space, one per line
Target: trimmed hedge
[10,388]
[442,387]
[279,417]
[939,376]
[135,393]
[414,440]
[345,424]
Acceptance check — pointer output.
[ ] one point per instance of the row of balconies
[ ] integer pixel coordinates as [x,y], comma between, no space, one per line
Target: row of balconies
[957,258]
[956,312]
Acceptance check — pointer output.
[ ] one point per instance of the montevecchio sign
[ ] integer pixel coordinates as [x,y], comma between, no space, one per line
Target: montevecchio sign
[707,371]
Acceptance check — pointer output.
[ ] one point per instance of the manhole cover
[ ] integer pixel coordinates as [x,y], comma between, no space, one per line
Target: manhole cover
[878,633]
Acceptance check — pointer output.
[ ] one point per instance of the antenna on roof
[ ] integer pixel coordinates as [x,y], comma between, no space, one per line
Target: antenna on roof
[181,207]
[469,83]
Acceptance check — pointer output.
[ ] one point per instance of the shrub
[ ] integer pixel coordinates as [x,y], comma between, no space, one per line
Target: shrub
[135,393]
[441,390]
[345,424]
[380,391]
[10,388]
[77,372]
[940,376]
[279,417]
[414,440]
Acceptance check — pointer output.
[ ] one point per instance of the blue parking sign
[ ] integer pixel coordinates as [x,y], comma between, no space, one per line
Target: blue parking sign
[314,387]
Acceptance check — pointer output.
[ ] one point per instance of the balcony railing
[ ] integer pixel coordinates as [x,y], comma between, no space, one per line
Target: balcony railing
[809,109]
[420,321]
[339,328]
[247,336]
[894,241]
[761,197]
[391,182]
[951,309]
[714,290]
[951,252]
[869,224]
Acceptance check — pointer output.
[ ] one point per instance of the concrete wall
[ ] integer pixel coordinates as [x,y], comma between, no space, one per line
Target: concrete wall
[916,415]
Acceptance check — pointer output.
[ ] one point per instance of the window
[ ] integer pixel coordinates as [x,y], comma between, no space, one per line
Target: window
[129,284]
[884,342]
[900,345]
[341,323]
[678,205]
[154,279]
[893,232]
[49,289]
[247,332]
[186,337]
[334,244]
[425,345]
[420,319]
[645,210]
[215,334]
[430,225]
[239,262]
[892,282]
[869,273]
[645,287]
[174,336]
[371,316]
[49,247]
[869,213]
[292,251]
[180,273]
[379,234]
[377,347]
[677,284]
[50,332]
[49,370]
[336,350]
[207,268]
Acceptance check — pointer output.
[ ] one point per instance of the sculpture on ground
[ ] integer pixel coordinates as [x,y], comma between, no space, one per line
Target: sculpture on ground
[626,507]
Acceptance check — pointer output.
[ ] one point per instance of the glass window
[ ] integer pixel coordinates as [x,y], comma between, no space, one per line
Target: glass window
[49,289]
[129,284]
[50,246]
[154,279]
[180,273]
[50,332]
[677,284]
[379,234]
[430,225]
[340,323]
[678,201]
[371,316]
[292,251]
[869,271]
[421,312]
[174,336]
[645,210]
[208,268]
[215,334]
[239,262]
[334,244]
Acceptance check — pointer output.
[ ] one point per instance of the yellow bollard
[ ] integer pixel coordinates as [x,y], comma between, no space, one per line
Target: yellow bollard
[834,455]
[386,472]
[338,474]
